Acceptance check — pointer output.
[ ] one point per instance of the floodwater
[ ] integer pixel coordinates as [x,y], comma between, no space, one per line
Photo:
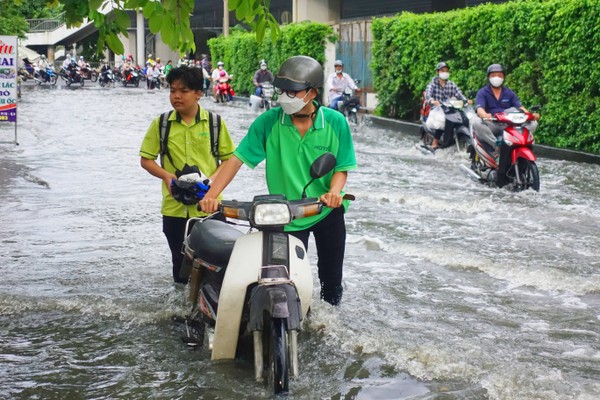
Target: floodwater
[453,290]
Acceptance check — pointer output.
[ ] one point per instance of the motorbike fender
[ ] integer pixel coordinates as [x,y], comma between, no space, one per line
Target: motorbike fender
[243,270]
[279,301]
[522,152]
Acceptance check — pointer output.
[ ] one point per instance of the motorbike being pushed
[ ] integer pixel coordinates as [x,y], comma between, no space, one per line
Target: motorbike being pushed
[515,167]
[451,117]
[252,291]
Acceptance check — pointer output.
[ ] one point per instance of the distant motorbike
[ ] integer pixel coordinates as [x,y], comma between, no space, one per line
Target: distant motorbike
[72,75]
[456,127]
[131,77]
[153,82]
[107,78]
[267,95]
[88,73]
[47,75]
[515,168]
[255,287]
[223,90]
[349,104]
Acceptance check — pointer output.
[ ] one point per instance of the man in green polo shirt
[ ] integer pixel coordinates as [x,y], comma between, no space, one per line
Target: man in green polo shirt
[189,144]
[290,138]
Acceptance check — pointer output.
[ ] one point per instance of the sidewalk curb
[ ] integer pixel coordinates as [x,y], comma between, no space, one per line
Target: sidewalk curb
[540,150]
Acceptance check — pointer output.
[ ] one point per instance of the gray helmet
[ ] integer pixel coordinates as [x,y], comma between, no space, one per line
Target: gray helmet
[338,62]
[495,68]
[441,65]
[299,73]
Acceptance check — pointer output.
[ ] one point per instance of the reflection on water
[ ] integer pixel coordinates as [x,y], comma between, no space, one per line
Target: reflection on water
[453,290]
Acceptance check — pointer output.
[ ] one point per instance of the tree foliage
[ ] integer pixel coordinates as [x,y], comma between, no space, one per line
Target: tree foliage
[170,18]
[548,47]
[241,52]
[15,12]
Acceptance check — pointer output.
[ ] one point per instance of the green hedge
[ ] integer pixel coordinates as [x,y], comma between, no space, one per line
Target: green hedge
[550,49]
[241,53]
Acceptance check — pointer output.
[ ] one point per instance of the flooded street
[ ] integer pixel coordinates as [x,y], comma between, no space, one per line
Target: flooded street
[453,290]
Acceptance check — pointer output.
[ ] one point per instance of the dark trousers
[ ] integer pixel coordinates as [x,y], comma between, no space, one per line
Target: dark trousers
[330,240]
[174,230]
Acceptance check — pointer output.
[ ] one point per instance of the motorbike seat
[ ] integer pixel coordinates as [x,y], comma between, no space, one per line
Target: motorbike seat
[213,240]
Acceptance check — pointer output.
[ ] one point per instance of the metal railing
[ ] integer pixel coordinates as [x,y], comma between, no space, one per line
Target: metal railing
[46,24]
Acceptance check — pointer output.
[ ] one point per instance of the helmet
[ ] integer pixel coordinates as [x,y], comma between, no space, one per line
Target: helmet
[441,65]
[299,73]
[157,59]
[43,57]
[222,73]
[220,64]
[338,63]
[494,68]
[188,193]
[263,62]
[81,57]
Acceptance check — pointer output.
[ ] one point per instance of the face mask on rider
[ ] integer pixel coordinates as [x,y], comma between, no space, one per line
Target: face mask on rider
[444,75]
[338,71]
[496,81]
[292,105]
[263,67]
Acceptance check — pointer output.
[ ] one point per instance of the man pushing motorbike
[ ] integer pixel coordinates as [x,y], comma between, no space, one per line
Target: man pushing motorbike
[187,147]
[441,89]
[290,138]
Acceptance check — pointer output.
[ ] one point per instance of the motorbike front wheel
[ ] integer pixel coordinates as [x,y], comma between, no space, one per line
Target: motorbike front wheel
[93,76]
[352,118]
[529,175]
[276,348]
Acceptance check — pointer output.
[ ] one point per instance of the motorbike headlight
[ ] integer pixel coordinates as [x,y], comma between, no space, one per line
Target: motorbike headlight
[271,214]
[457,103]
[516,118]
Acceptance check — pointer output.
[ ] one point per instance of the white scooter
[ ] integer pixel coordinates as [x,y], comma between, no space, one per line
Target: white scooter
[257,285]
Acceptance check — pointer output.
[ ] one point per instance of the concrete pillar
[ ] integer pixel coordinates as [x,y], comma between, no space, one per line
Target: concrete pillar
[225,17]
[50,51]
[327,11]
[140,35]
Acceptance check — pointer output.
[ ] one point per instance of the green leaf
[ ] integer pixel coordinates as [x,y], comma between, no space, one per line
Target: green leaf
[114,43]
[122,19]
[95,4]
[155,22]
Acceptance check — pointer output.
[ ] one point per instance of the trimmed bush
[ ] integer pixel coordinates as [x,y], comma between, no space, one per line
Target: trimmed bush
[549,48]
[241,53]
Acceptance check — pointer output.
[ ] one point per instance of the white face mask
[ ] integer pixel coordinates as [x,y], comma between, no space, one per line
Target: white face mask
[444,75]
[496,81]
[263,67]
[292,105]
[338,71]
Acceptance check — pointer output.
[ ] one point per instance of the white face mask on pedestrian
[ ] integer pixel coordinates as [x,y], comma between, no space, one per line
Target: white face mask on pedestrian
[292,105]
[444,75]
[496,81]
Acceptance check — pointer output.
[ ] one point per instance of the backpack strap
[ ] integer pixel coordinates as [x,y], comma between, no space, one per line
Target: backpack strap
[165,127]
[214,122]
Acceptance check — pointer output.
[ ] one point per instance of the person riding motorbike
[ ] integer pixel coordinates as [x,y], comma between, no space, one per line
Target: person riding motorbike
[72,70]
[278,136]
[262,75]
[216,75]
[493,98]
[42,65]
[337,82]
[441,89]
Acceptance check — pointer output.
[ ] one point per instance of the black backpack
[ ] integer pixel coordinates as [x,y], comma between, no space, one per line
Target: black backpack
[214,122]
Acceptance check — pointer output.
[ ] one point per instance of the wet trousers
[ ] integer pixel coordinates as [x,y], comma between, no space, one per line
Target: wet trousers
[330,240]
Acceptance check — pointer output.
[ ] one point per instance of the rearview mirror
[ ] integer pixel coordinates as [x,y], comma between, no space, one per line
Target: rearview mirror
[322,165]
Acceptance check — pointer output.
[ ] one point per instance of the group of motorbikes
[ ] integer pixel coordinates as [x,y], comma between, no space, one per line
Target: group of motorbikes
[106,76]
[513,167]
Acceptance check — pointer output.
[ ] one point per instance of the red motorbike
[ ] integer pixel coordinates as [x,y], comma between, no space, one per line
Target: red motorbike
[223,90]
[515,167]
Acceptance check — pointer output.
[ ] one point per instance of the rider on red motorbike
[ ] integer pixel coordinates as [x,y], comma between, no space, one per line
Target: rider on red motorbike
[491,99]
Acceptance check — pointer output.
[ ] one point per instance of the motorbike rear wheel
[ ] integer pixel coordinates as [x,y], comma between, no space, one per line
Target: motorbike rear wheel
[352,118]
[53,80]
[276,349]
[529,175]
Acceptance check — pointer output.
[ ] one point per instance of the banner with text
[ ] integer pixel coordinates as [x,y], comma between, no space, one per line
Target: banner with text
[8,78]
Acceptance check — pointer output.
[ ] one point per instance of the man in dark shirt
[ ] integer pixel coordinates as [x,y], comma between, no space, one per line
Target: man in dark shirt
[263,75]
[494,98]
